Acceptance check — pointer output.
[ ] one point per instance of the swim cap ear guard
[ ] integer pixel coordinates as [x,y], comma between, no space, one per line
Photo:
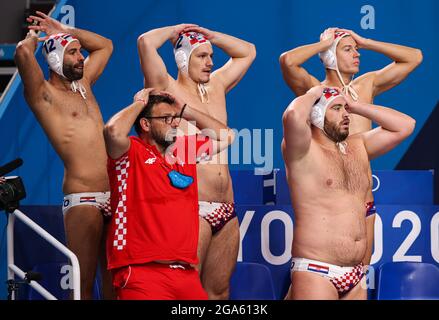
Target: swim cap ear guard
[181,59]
[318,111]
[329,56]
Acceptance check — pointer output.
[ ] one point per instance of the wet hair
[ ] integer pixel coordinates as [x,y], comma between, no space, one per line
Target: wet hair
[147,110]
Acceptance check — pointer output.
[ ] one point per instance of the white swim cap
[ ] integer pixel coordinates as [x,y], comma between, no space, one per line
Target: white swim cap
[53,51]
[318,111]
[185,45]
[329,57]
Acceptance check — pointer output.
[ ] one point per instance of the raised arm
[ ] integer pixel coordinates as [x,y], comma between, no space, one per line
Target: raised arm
[98,47]
[153,68]
[394,127]
[241,53]
[296,124]
[30,71]
[116,130]
[296,77]
[405,60]
[221,135]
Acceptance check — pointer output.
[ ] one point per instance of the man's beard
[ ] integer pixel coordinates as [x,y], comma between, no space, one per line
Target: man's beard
[72,73]
[333,132]
[163,140]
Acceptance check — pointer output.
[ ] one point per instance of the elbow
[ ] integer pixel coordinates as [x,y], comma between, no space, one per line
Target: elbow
[109,45]
[408,129]
[21,52]
[286,60]
[140,38]
[290,116]
[411,124]
[252,51]
[295,112]
[111,131]
[143,41]
[418,57]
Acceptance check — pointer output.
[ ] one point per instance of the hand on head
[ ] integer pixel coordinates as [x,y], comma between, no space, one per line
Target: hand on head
[350,103]
[46,24]
[361,42]
[32,34]
[143,95]
[205,32]
[327,36]
[316,91]
[179,103]
[178,29]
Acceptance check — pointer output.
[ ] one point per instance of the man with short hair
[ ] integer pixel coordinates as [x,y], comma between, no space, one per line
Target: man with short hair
[152,240]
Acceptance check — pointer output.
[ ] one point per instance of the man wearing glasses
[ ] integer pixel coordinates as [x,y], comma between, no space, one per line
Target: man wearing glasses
[153,235]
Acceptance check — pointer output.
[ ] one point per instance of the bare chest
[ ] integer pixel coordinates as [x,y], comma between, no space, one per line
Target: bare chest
[347,172]
[73,107]
[215,107]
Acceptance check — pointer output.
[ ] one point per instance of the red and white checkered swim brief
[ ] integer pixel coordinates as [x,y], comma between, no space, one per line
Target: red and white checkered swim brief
[216,213]
[343,278]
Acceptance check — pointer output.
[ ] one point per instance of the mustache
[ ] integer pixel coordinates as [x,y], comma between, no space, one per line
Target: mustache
[79,65]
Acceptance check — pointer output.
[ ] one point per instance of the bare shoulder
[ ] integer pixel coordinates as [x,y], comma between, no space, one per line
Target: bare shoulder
[365,80]
[216,83]
[356,141]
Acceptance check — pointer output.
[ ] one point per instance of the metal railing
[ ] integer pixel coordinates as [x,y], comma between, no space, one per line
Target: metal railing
[15,270]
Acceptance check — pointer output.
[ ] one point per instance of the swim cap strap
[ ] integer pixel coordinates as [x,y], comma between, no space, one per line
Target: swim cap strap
[202,90]
[77,86]
[348,89]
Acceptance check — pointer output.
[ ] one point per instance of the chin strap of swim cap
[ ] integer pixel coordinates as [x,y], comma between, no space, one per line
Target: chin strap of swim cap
[347,89]
[342,145]
[329,60]
[185,45]
[204,94]
[76,86]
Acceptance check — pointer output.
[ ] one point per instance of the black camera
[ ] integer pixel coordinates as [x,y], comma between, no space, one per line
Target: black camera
[11,192]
